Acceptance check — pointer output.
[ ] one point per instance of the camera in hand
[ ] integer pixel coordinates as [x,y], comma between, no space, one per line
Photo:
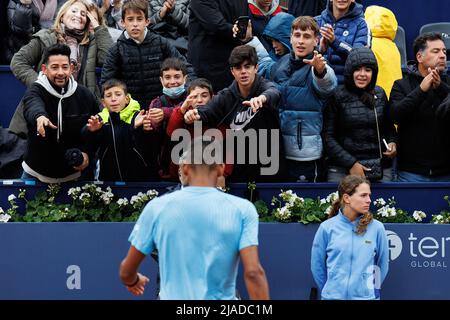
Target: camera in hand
[242,23]
[74,157]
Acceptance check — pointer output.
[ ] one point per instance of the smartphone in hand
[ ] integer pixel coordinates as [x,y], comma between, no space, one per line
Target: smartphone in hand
[242,23]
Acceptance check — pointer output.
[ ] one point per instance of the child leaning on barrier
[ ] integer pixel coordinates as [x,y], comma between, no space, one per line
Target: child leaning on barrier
[199,93]
[124,136]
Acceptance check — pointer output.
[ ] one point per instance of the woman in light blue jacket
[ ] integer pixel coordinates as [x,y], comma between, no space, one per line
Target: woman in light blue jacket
[350,255]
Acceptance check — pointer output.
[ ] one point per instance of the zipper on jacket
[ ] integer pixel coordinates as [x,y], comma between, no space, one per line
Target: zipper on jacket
[351,264]
[115,149]
[140,156]
[141,69]
[104,154]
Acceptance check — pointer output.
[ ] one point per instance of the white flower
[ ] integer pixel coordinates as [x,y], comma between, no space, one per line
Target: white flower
[282,213]
[419,215]
[332,197]
[328,210]
[1,210]
[289,196]
[84,195]
[98,189]
[379,202]
[4,217]
[134,199]
[438,219]
[391,212]
[73,192]
[122,202]
[107,196]
[152,193]
[11,197]
[322,201]
[291,201]
[383,211]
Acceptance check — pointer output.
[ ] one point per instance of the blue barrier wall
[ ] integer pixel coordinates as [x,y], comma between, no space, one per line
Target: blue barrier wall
[11,91]
[65,261]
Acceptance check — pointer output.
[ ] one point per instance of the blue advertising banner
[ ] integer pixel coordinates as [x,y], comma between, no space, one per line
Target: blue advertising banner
[67,261]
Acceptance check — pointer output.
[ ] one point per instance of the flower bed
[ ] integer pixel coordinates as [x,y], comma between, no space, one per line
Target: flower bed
[92,202]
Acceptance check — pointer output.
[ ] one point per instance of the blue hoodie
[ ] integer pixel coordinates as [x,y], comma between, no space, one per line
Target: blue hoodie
[279,28]
[350,31]
[345,264]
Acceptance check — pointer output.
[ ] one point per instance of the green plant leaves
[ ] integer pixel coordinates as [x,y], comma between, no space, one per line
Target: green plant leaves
[89,203]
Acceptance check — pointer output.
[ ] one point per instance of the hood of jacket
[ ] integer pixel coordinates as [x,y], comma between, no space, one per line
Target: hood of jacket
[257,11]
[381,21]
[279,28]
[235,88]
[360,57]
[355,10]
[126,114]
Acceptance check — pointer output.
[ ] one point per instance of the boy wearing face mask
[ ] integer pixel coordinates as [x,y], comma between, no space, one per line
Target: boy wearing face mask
[199,93]
[173,78]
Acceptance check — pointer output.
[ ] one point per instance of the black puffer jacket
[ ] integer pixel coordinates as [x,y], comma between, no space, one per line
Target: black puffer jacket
[424,142]
[138,65]
[350,127]
[23,21]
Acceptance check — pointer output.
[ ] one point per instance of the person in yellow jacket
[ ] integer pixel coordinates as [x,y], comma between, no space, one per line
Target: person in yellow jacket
[383,25]
[122,133]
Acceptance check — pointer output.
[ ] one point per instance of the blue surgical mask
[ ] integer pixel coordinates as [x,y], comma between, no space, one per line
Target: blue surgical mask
[174,92]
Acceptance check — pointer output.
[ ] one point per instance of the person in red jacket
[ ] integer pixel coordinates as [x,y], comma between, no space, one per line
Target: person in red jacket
[260,13]
[199,92]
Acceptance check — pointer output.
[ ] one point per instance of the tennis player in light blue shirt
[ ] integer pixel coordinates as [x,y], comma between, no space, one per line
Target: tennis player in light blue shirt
[201,234]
